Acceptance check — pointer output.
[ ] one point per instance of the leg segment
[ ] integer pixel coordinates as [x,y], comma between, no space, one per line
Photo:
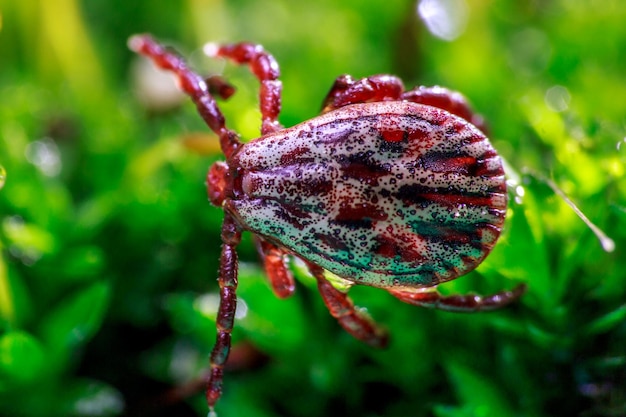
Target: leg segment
[192,84]
[431,298]
[219,86]
[341,307]
[231,235]
[346,90]
[451,101]
[276,268]
[265,68]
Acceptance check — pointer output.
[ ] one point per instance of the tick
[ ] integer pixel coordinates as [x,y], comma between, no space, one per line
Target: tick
[394,189]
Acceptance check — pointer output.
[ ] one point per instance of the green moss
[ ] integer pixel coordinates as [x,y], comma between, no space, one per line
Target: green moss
[107,257]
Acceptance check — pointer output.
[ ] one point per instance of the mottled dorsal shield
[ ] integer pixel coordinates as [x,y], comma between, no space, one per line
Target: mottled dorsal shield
[388,194]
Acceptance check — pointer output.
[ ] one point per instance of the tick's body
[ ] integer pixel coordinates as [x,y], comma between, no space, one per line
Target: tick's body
[389,188]
[388,194]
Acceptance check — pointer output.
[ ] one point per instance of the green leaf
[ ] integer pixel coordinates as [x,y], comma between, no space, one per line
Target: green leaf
[193,315]
[7,309]
[477,393]
[21,358]
[15,302]
[76,319]
[606,322]
[523,255]
[275,325]
[28,237]
[78,264]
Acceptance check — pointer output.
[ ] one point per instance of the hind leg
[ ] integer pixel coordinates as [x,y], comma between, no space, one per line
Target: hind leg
[431,298]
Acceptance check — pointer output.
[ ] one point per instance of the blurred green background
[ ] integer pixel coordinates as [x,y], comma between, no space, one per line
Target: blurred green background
[109,247]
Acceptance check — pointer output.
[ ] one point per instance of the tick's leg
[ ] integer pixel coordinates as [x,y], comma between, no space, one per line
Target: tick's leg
[192,84]
[276,269]
[346,90]
[451,101]
[219,86]
[431,298]
[341,307]
[265,68]
[231,235]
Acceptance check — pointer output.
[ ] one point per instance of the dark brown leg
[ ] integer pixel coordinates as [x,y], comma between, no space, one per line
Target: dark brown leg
[192,84]
[347,91]
[276,269]
[341,307]
[431,298]
[231,235]
[265,68]
[451,101]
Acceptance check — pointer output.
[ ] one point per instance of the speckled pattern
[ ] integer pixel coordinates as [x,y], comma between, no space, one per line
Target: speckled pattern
[388,194]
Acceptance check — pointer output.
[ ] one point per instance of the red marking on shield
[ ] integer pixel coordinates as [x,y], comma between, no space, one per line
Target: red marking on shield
[367,173]
[362,211]
[418,135]
[441,162]
[454,200]
[402,245]
[297,156]
[392,135]
[333,242]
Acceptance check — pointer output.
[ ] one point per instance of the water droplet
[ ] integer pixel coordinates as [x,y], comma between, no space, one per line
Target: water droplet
[3,176]
[607,243]
[557,98]
[45,155]
[446,19]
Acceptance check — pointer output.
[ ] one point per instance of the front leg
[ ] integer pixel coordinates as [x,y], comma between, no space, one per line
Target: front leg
[227,280]
[265,68]
[191,84]
[431,298]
